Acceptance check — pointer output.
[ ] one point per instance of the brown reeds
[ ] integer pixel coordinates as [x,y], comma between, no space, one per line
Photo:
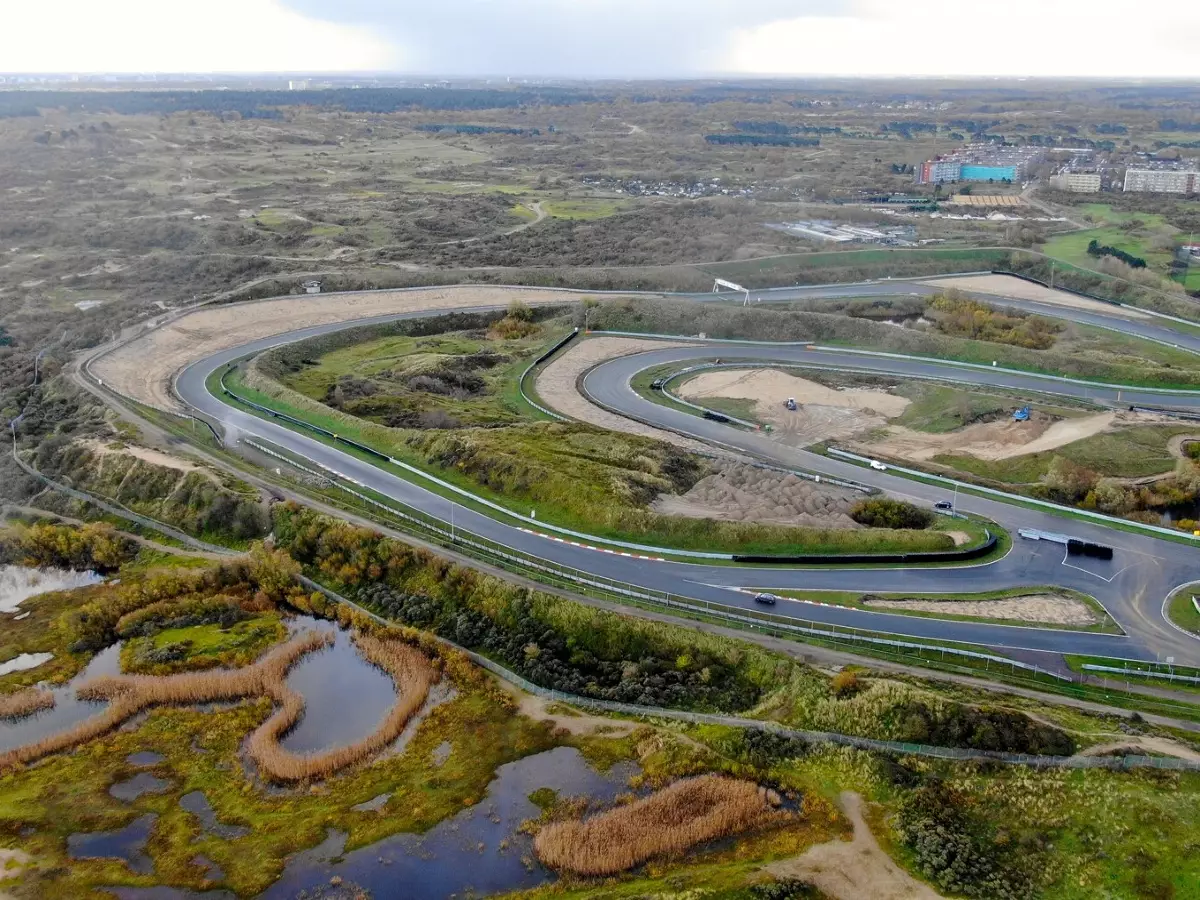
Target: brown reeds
[413,676]
[667,823]
[131,694]
[24,703]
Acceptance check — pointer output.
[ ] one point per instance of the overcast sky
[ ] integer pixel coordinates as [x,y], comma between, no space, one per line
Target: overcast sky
[589,38]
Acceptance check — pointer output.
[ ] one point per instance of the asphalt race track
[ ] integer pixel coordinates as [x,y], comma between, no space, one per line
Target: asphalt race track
[1132,586]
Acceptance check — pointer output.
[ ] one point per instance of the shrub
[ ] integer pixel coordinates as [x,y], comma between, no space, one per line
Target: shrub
[845,683]
[884,512]
[960,854]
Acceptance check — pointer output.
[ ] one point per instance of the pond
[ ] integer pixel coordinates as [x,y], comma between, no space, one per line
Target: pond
[478,851]
[345,697]
[68,710]
[19,583]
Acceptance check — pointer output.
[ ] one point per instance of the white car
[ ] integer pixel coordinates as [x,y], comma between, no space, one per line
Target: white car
[878,466]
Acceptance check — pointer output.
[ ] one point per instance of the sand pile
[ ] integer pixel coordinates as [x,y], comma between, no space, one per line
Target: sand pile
[740,493]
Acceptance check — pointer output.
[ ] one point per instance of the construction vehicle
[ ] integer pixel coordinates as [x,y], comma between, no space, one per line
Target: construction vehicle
[1022,414]
[791,404]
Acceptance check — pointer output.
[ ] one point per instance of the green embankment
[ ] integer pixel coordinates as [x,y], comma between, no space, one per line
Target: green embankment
[570,474]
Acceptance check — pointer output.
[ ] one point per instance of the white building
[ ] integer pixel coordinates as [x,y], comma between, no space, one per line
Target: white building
[1162,181]
[1077,182]
[312,287]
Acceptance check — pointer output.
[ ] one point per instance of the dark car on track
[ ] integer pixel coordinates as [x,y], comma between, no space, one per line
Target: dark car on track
[767,599]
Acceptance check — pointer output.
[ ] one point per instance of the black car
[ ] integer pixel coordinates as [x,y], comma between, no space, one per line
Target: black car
[944,505]
[768,599]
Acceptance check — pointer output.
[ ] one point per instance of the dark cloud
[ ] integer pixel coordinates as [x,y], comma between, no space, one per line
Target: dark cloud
[583,38]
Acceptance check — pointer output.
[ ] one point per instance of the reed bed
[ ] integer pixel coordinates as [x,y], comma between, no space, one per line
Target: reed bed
[411,671]
[24,703]
[413,676]
[131,694]
[667,823]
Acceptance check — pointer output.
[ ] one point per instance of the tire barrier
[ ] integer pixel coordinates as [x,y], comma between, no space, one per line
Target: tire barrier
[1086,548]
[934,556]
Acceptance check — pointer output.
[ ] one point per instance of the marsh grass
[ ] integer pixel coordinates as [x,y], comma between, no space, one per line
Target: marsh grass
[131,694]
[668,823]
[24,703]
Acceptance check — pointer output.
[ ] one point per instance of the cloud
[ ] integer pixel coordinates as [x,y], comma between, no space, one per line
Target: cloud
[565,38]
[1056,38]
[165,36]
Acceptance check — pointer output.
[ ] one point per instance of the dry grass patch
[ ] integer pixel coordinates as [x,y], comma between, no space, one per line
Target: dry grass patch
[129,695]
[667,823]
[24,703]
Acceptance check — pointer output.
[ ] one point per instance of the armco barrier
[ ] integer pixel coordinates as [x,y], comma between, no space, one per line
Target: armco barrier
[1016,498]
[533,365]
[808,737]
[885,558]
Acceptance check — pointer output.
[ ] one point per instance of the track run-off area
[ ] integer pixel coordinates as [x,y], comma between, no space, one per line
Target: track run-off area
[1146,568]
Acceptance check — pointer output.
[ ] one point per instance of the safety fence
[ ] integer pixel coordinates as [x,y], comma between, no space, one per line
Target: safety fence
[1140,673]
[121,511]
[963,555]
[807,737]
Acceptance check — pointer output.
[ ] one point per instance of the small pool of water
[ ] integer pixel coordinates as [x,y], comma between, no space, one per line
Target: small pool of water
[68,710]
[345,697]
[197,804]
[127,844]
[22,662]
[142,783]
[462,855]
[145,758]
[19,583]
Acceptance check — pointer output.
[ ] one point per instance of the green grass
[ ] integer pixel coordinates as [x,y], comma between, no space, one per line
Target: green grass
[583,209]
[1128,453]
[1183,612]
[571,474]
[855,600]
[939,408]
[207,646]
[388,364]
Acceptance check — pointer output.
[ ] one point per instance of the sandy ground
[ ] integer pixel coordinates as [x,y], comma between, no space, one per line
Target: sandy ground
[1054,609]
[1002,439]
[739,493]
[143,368]
[824,413]
[556,387]
[1145,743]
[581,723]
[154,457]
[12,862]
[856,869]
[1019,289]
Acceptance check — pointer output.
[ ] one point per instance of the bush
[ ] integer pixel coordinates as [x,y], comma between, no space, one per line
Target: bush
[960,854]
[884,512]
[845,684]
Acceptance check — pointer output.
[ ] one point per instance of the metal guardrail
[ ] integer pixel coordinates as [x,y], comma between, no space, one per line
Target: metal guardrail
[1141,673]
[1017,498]
[782,626]
[533,365]
[808,737]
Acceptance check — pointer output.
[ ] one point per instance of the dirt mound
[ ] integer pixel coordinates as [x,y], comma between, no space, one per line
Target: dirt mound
[738,493]
[1019,289]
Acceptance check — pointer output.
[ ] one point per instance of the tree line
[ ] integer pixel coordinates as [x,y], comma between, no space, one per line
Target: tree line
[1096,249]
[763,140]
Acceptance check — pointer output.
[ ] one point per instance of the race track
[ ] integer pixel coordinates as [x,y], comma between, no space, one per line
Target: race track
[1131,587]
